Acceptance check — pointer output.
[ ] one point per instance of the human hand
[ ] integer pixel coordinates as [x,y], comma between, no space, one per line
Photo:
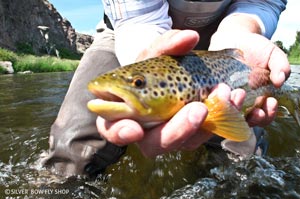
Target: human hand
[258,52]
[182,131]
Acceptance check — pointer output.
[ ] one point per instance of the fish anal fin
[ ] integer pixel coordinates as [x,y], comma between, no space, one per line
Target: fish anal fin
[225,120]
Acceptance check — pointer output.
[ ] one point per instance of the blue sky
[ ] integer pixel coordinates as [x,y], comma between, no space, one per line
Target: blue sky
[85,14]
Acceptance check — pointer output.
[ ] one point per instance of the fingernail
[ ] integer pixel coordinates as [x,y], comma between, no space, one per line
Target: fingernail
[124,133]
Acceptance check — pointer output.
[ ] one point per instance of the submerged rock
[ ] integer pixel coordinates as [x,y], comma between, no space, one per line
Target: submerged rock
[25,72]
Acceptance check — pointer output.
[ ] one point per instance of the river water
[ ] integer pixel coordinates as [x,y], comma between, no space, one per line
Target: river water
[29,104]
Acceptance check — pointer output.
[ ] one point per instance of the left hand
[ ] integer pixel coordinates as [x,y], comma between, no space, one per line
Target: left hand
[258,52]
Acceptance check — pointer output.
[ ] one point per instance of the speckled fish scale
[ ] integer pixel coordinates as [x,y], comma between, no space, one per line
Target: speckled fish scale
[185,78]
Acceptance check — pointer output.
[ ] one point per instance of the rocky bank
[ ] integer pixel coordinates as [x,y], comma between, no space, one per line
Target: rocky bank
[19,22]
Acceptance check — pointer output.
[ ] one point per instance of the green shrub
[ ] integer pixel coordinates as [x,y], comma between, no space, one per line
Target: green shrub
[67,54]
[294,60]
[7,55]
[2,71]
[25,48]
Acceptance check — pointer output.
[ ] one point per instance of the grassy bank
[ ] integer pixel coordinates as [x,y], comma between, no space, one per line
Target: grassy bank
[37,64]
[294,60]
[44,64]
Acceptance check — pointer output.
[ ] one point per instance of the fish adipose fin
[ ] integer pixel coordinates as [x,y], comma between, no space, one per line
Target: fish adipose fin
[225,120]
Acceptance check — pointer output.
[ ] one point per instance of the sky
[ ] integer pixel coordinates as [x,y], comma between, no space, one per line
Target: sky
[85,14]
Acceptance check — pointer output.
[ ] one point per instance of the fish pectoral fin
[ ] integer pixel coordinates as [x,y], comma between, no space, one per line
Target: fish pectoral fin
[225,120]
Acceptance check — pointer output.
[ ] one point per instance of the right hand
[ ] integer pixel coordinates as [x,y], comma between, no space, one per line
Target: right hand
[182,130]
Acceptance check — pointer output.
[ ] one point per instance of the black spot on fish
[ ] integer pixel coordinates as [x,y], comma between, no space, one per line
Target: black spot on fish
[180,87]
[162,84]
[197,78]
[188,96]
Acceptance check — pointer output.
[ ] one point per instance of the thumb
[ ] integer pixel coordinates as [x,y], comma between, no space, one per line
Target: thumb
[172,42]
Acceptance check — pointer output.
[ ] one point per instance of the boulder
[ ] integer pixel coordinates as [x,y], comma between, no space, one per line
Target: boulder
[7,66]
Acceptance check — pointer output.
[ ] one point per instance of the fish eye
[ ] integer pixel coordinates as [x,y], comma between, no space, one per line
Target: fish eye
[139,81]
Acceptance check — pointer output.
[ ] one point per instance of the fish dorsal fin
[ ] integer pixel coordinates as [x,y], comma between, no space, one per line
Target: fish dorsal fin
[225,120]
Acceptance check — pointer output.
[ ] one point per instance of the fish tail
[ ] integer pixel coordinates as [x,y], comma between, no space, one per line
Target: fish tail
[225,120]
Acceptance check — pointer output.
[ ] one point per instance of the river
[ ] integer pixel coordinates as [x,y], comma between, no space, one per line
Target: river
[29,104]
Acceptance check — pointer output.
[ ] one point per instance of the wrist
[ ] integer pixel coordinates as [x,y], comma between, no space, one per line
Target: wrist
[239,22]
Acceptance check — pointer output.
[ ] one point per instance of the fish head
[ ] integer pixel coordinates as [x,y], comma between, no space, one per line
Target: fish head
[140,91]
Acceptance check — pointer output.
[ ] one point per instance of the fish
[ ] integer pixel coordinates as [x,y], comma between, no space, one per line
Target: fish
[152,91]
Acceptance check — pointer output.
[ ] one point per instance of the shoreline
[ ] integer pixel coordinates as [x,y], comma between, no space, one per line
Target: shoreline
[35,63]
[46,63]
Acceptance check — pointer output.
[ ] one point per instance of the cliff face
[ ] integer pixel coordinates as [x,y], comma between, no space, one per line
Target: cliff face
[19,21]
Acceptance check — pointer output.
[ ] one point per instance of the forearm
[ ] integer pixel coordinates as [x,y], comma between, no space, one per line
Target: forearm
[264,13]
[239,22]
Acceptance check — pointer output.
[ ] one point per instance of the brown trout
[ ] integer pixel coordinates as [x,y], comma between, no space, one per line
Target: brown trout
[152,91]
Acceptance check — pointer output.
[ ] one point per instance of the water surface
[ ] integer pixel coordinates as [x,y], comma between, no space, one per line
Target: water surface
[29,104]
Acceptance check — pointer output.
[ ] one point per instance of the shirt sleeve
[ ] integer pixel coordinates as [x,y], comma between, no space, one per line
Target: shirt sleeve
[137,24]
[124,9]
[266,12]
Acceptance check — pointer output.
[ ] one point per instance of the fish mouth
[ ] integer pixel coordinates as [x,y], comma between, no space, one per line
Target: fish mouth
[108,96]
[112,103]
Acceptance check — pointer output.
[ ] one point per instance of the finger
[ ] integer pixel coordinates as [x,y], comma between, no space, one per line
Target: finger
[237,97]
[279,66]
[122,132]
[180,43]
[173,42]
[196,140]
[270,108]
[265,115]
[222,91]
[256,117]
[172,134]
